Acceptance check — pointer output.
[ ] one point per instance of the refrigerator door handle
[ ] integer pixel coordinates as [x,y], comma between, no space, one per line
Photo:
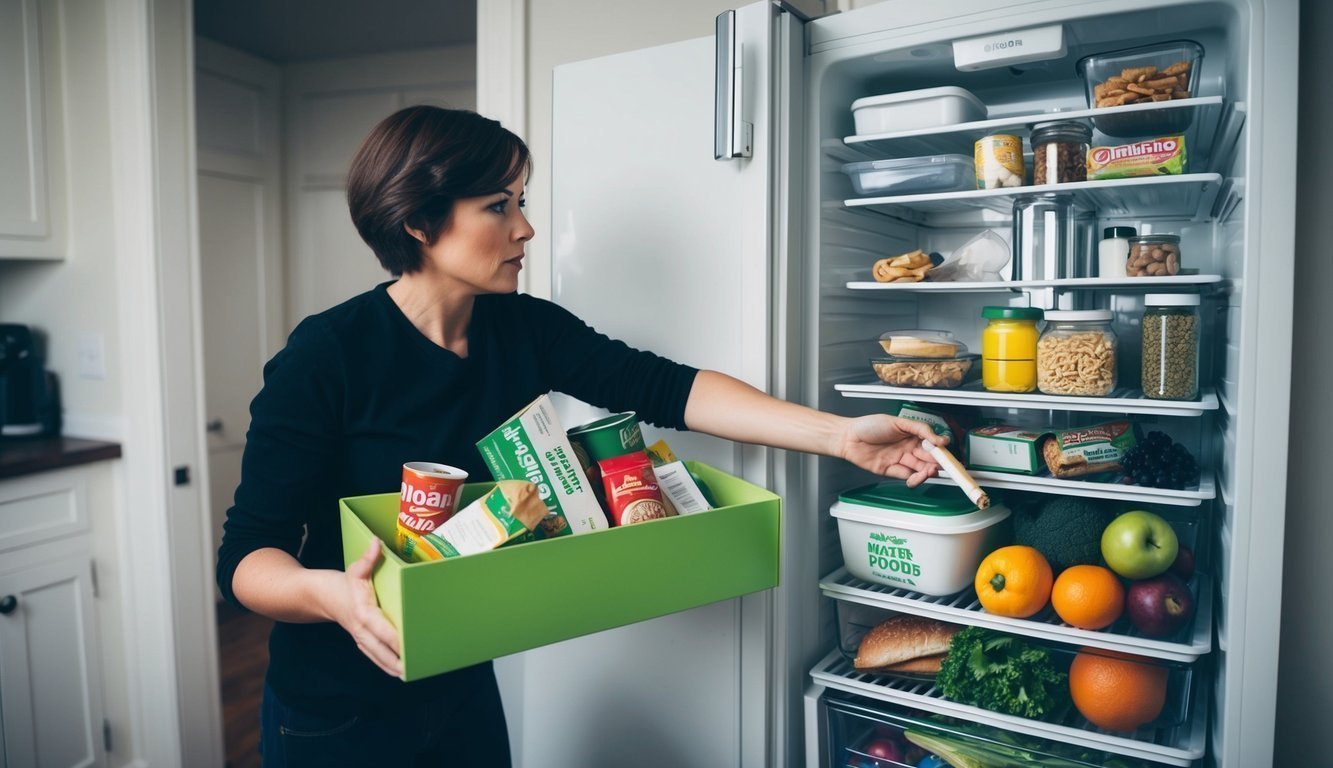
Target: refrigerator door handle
[732,136]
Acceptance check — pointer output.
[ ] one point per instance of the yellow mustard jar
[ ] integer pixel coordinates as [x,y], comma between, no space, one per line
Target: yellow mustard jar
[1009,349]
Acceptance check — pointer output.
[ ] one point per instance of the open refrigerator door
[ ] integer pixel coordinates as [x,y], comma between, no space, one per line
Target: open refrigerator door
[1199,158]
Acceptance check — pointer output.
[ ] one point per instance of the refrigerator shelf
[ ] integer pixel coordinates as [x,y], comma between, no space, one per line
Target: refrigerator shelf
[1189,195]
[1212,126]
[1123,400]
[1120,285]
[1181,745]
[964,608]
[1189,497]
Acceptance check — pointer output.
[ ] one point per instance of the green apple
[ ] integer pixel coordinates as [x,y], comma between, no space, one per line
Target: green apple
[1139,544]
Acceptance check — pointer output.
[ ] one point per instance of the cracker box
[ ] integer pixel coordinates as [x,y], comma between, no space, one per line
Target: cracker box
[532,446]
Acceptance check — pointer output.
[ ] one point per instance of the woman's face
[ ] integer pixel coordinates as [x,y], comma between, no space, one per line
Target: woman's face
[482,244]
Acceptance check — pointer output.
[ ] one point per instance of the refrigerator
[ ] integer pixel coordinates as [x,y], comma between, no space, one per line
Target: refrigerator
[700,210]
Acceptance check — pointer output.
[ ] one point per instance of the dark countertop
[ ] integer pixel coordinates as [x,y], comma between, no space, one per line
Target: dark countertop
[21,456]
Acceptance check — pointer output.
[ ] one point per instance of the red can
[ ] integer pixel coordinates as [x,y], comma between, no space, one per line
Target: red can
[429,495]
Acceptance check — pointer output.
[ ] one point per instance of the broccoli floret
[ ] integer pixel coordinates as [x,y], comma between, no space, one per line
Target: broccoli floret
[1066,529]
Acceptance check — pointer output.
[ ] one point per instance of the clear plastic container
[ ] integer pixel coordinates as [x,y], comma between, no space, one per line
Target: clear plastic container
[925,372]
[1153,256]
[1009,349]
[1171,346]
[918,343]
[910,110]
[1076,353]
[912,175]
[1167,71]
[1044,236]
[1060,152]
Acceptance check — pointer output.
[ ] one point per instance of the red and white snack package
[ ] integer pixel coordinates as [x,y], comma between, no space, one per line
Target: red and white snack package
[632,493]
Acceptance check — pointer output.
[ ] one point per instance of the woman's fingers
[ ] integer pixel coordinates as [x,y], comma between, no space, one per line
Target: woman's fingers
[364,565]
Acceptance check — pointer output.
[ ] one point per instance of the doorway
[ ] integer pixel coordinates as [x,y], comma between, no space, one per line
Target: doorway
[284,92]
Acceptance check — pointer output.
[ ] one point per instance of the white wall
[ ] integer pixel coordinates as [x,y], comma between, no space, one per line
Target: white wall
[1305,670]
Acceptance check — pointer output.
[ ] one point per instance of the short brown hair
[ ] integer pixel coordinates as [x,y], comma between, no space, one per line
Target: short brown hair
[413,166]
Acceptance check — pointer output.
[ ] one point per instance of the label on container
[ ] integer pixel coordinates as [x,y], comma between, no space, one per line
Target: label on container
[890,558]
[1153,157]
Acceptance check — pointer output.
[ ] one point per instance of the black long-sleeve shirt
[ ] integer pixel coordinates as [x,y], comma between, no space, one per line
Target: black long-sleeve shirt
[357,391]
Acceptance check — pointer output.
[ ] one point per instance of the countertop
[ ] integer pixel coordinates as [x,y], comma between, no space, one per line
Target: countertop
[29,455]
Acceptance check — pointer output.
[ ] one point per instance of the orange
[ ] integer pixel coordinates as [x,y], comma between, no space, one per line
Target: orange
[1088,596]
[1014,581]
[1116,692]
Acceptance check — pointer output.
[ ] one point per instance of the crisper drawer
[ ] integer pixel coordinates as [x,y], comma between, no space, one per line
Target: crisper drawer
[863,733]
[454,613]
[1175,738]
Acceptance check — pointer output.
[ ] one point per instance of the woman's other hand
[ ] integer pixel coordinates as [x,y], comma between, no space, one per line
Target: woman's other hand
[361,616]
[890,446]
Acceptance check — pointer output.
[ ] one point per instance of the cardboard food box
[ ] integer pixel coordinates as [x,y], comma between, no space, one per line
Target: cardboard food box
[457,612]
[533,446]
[1005,448]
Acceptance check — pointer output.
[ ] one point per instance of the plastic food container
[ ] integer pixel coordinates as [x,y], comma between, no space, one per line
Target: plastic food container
[910,110]
[1171,346]
[1174,74]
[912,175]
[925,372]
[1076,353]
[929,539]
[936,344]
[1153,256]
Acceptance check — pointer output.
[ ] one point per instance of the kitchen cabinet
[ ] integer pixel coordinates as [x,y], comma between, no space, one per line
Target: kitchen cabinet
[32,167]
[51,709]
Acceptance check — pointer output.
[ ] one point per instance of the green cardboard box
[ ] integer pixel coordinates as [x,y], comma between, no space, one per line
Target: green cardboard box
[453,613]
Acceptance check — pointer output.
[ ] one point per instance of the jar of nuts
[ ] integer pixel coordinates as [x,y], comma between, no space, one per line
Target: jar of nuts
[1153,256]
[1171,346]
[1060,152]
[1076,353]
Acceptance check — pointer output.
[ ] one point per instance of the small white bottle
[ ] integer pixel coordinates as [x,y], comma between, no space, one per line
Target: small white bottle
[1113,252]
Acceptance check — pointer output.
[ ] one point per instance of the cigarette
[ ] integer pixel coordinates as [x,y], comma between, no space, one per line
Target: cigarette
[954,469]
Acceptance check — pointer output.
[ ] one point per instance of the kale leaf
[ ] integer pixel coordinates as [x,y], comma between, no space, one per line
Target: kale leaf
[1002,673]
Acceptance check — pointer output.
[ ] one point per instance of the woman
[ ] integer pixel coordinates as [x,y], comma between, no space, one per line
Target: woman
[420,368]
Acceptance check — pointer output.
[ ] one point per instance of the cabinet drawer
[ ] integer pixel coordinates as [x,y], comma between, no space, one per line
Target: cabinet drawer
[42,507]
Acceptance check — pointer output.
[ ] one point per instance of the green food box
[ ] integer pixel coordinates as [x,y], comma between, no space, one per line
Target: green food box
[458,612]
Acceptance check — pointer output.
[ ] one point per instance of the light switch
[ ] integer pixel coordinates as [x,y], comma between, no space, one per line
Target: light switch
[92,356]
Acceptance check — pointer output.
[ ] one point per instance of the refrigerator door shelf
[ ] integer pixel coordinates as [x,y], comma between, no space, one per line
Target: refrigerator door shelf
[1119,285]
[1188,195]
[1189,497]
[1130,401]
[963,608]
[1180,745]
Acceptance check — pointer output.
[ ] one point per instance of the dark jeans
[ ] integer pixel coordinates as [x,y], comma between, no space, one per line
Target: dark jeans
[451,733]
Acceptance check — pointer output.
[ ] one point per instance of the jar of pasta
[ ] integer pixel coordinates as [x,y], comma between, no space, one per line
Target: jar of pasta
[1009,349]
[1076,353]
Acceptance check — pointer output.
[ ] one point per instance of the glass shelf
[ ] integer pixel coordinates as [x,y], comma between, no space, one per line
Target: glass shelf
[1004,286]
[1124,400]
[1188,497]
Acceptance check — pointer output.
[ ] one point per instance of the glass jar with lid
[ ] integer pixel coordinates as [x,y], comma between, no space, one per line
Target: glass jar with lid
[1153,256]
[1171,346]
[1060,152]
[1076,353]
[1009,349]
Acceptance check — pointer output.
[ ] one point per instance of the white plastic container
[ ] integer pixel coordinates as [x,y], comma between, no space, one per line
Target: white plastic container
[912,175]
[929,539]
[910,110]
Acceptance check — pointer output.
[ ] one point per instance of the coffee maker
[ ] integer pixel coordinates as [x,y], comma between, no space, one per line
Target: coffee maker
[29,394]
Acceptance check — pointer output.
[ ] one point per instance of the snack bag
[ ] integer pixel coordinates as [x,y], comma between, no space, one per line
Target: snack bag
[632,492]
[509,510]
[1152,157]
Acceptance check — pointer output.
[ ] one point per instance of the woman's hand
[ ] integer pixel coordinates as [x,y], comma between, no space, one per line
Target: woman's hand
[891,446]
[360,614]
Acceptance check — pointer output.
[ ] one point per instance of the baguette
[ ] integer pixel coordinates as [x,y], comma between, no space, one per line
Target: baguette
[902,639]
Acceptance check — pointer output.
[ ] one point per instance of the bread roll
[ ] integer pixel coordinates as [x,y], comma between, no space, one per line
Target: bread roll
[900,639]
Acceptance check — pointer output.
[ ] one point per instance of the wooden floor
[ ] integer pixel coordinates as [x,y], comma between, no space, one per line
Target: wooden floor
[243,657]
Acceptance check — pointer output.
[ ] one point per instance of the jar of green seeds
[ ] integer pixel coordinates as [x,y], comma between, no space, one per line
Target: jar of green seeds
[1171,346]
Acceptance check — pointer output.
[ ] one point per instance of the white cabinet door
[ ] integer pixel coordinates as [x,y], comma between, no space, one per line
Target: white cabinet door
[50,690]
[31,156]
